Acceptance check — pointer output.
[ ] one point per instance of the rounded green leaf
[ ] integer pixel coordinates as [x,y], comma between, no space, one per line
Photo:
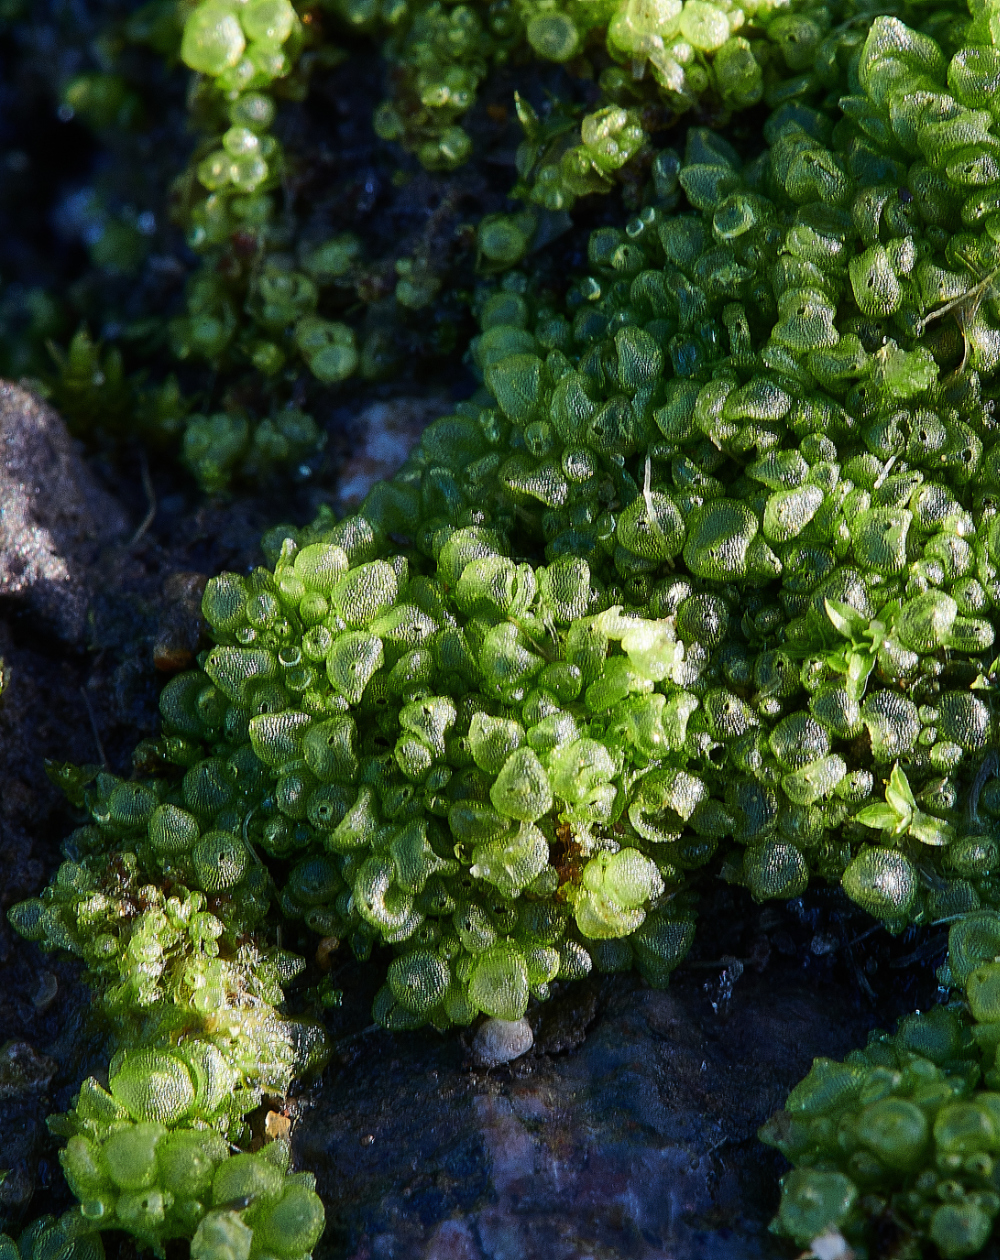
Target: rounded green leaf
[213,40]
[522,788]
[498,983]
[881,881]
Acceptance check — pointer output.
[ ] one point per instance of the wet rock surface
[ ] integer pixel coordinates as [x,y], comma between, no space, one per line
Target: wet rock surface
[24,1079]
[384,435]
[637,1142]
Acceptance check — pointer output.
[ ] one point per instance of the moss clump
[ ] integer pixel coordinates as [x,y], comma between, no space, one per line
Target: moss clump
[159,1181]
[704,578]
[902,1138]
[277,314]
[629,610]
[674,56]
[197,1040]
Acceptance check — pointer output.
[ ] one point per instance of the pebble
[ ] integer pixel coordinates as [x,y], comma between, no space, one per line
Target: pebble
[500,1041]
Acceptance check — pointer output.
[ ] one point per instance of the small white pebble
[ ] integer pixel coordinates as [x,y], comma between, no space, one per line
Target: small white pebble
[832,1246]
[501,1040]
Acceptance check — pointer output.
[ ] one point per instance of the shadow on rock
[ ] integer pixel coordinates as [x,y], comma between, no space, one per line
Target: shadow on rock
[627,1132]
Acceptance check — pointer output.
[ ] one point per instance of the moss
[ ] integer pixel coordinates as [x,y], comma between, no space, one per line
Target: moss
[902,1135]
[702,577]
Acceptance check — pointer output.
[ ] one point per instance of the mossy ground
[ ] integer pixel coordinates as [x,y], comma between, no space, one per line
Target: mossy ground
[44,714]
[351,179]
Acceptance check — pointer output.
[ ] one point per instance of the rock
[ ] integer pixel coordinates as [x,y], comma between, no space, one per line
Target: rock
[561,1026]
[501,1041]
[386,433]
[55,517]
[23,1070]
[639,1142]
[25,1076]
[22,1141]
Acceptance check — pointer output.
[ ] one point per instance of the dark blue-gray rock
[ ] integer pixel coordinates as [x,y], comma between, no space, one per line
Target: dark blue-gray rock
[24,1079]
[54,517]
[627,1131]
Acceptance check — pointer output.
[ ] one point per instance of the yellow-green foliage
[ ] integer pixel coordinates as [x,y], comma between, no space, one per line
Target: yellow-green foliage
[255,307]
[244,52]
[704,578]
[707,524]
[728,55]
[199,1040]
[159,1178]
[69,1237]
[904,1136]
